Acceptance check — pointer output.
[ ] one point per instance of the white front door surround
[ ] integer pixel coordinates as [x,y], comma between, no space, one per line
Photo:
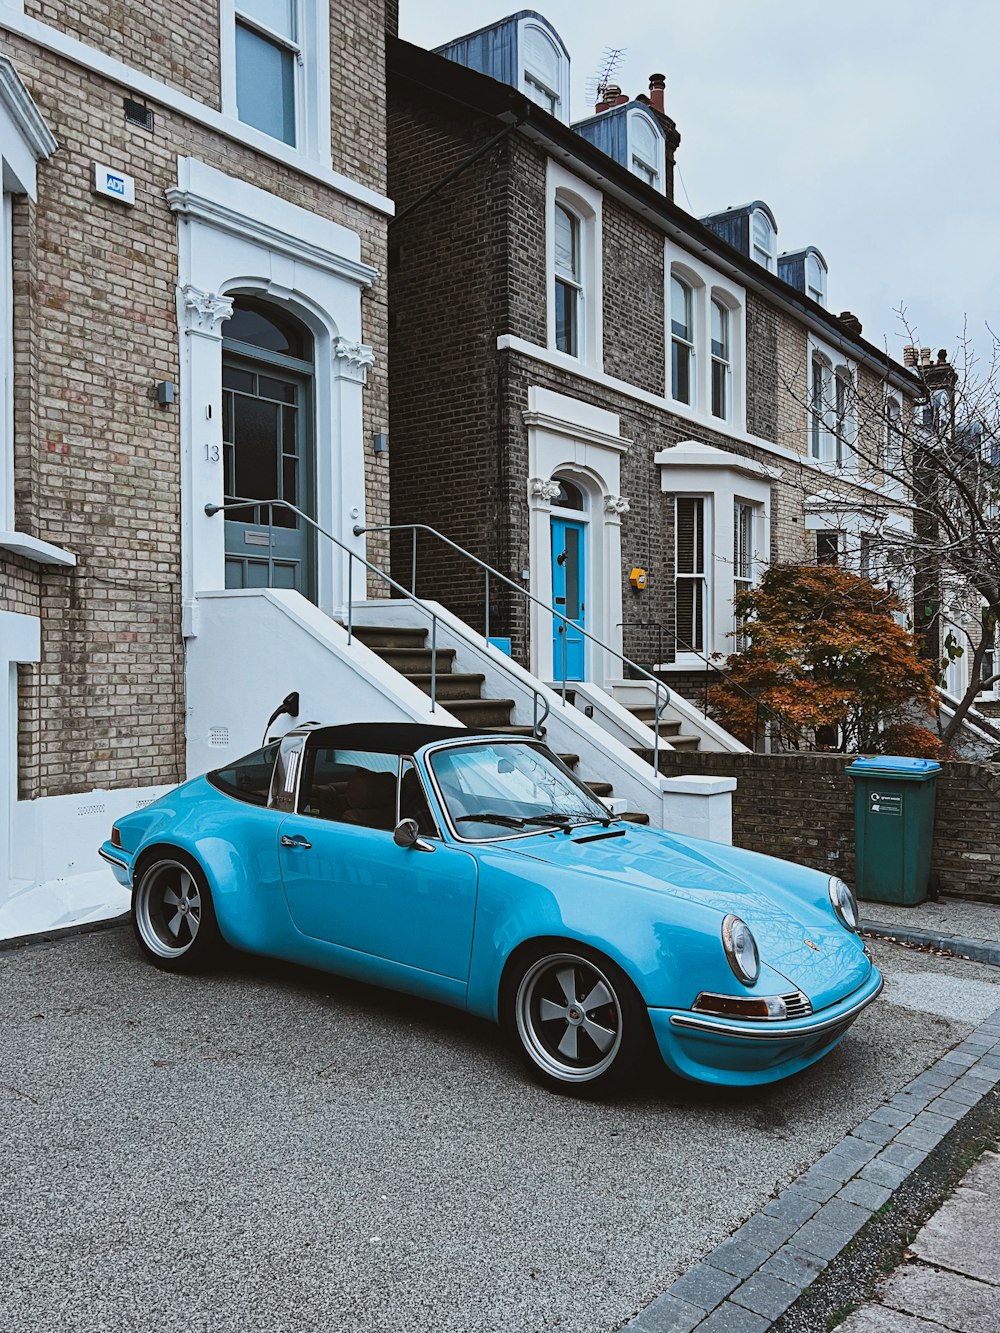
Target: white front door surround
[236,238]
[581,443]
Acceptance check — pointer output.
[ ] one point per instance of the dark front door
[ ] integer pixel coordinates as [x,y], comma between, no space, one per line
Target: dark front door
[268,449]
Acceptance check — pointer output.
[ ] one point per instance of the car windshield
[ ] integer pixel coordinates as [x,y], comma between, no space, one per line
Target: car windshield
[493,789]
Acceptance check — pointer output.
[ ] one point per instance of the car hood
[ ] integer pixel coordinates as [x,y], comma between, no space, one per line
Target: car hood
[784,904]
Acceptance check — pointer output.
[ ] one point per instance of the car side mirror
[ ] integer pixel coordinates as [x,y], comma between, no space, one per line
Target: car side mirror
[407,834]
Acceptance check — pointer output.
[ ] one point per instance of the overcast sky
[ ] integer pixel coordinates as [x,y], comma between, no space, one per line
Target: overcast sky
[870,128]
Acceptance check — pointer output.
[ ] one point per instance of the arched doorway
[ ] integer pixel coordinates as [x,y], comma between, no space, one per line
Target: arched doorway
[268,447]
[569,581]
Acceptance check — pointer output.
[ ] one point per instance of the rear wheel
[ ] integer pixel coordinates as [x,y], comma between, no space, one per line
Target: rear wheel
[173,917]
[575,1018]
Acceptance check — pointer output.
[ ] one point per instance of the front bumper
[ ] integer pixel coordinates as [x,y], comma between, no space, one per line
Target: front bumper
[119,861]
[740,1053]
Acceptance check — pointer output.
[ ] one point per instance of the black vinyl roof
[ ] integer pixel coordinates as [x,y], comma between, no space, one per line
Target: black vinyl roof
[389,737]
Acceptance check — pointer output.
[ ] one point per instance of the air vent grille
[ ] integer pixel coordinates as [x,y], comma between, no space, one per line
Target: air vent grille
[218,737]
[797,1004]
[138,114]
[83,811]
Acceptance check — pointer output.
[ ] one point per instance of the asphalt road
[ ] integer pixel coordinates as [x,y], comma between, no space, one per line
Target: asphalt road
[270,1149]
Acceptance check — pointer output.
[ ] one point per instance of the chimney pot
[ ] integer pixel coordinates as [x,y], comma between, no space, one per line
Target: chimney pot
[943,357]
[657,88]
[909,355]
[925,356]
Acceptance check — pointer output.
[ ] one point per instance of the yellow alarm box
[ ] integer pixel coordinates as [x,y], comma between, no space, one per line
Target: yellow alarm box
[637,578]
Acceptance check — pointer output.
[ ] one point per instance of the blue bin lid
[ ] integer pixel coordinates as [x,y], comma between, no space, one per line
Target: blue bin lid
[898,764]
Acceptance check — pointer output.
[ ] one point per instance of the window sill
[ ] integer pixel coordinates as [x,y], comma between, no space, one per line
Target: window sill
[35,550]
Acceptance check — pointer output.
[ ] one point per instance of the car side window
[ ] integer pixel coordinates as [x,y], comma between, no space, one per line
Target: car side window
[413,800]
[350,787]
[249,778]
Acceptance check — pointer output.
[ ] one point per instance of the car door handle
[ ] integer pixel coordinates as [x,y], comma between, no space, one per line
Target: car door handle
[297,841]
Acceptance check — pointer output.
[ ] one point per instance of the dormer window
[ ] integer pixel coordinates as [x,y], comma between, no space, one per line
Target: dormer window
[646,149]
[544,70]
[815,279]
[763,240]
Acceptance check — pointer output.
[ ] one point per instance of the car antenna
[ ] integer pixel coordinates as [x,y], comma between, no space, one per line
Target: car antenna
[289,705]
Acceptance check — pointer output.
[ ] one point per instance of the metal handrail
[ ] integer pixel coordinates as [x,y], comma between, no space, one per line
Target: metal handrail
[491,573]
[730,683]
[538,699]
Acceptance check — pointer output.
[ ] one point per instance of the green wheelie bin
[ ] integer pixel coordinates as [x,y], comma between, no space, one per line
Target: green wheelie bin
[893,827]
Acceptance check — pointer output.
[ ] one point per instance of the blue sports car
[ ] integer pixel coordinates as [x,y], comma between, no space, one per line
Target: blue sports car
[476,870]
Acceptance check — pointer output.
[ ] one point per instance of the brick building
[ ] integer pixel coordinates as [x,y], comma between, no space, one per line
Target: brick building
[587,381]
[193,243]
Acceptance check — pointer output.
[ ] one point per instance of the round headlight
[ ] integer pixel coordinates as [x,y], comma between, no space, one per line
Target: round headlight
[844,903]
[741,949]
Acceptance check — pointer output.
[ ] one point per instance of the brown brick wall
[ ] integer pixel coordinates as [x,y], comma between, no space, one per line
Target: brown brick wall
[97,461]
[178,44]
[801,808]
[762,368]
[634,327]
[19,580]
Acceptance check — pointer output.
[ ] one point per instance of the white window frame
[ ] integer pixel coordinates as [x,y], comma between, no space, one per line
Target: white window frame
[695,470]
[832,420]
[816,292]
[707,285]
[692,301]
[725,359]
[745,579]
[767,258]
[312,72]
[530,81]
[25,140]
[699,577]
[990,664]
[652,170]
[572,280]
[585,203]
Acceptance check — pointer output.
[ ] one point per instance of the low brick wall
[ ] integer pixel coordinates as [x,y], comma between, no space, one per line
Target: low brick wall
[801,807]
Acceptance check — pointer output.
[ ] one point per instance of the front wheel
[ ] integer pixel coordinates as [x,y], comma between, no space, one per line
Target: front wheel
[576,1020]
[172,916]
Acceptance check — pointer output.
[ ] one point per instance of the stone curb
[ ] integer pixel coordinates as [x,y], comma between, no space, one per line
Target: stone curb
[979,951]
[750,1280]
[63,932]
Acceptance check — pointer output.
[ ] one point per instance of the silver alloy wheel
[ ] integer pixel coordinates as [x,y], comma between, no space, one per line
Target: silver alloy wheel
[168,909]
[569,1018]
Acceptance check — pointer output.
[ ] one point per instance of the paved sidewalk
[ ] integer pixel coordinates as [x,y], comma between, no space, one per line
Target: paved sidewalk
[751,1279]
[952,1279]
[967,929]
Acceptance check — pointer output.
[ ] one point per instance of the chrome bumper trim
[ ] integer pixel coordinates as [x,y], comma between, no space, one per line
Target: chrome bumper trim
[804,1028]
[122,865]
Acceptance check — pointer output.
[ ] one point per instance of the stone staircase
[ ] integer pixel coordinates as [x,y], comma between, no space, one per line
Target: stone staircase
[406,651]
[668,730]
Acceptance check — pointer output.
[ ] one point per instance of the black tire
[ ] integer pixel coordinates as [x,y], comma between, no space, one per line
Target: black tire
[173,918]
[571,1046]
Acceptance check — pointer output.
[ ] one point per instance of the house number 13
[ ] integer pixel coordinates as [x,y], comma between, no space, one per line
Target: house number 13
[212,453]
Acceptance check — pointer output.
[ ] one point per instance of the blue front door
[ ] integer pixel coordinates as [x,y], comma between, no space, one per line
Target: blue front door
[568,598]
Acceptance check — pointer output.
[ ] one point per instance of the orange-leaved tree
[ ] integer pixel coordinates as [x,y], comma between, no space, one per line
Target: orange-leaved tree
[824,654]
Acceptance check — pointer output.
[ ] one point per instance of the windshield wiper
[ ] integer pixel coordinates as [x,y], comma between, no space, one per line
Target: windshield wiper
[507,821]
